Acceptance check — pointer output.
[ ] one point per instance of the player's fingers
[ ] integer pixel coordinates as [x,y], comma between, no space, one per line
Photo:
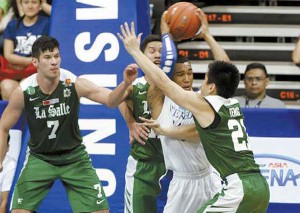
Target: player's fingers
[120,36]
[127,30]
[144,132]
[139,38]
[123,31]
[202,16]
[200,12]
[164,15]
[144,135]
[138,138]
[132,28]
[145,128]
[145,119]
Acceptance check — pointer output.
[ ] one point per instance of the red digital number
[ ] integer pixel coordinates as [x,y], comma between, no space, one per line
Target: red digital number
[211,17]
[184,53]
[203,54]
[287,95]
[226,18]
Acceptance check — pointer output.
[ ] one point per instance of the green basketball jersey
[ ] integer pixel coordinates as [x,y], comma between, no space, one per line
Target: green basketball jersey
[152,150]
[227,144]
[53,120]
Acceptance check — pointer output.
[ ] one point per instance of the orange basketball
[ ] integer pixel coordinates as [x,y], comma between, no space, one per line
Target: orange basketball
[183,20]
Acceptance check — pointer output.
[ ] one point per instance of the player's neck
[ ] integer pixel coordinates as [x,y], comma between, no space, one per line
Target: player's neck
[47,85]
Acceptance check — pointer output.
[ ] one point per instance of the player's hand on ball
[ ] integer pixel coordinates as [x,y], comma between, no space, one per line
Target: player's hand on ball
[164,27]
[204,27]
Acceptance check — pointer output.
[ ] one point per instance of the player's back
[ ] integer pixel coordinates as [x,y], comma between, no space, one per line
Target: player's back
[226,144]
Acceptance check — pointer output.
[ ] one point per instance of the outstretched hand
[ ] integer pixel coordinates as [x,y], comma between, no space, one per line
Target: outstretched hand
[130,73]
[129,39]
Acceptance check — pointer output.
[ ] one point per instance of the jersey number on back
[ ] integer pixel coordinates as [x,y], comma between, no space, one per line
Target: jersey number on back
[238,135]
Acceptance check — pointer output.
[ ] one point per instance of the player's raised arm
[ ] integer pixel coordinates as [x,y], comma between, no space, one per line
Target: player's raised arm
[111,98]
[216,49]
[154,73]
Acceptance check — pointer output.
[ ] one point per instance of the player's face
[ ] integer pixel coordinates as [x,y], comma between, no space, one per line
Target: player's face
[49,63]
[255,82]
[204,87]
[183,75]
[207,88]
[153,52]
[30,7]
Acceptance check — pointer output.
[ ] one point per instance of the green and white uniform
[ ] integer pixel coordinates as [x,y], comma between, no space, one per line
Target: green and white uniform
[145,165]
[226,145]
[56,150]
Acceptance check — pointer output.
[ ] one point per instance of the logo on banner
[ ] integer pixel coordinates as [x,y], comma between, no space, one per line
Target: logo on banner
[283,175]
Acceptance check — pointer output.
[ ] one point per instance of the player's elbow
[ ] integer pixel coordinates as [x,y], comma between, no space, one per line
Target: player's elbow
[111,104]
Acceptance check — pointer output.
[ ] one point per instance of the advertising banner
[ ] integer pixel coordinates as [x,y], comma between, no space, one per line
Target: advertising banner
[275,140]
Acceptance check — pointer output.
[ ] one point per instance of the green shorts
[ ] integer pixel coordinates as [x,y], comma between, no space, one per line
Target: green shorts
[241,193]
[142,185]
[84,190]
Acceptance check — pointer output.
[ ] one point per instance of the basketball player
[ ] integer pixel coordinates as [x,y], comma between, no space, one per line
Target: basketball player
[220,124]
[145,165]
[193,182]
[50,100]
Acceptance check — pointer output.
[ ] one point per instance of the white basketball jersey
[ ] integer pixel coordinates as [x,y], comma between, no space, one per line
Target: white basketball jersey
[180,156]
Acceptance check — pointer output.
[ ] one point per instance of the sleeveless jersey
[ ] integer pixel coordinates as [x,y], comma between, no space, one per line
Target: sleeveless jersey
[53,120]
[152,150]
[227,145]
[180,156]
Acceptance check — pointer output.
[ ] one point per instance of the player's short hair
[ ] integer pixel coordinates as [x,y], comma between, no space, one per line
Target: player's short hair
[42,44]
[225,76]
[181,59]
[148,39]
[257,66]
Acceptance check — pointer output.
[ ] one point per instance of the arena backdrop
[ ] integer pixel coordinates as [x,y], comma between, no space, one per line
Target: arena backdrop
[86,30]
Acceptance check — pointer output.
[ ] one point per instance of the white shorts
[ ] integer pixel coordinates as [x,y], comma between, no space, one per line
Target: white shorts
[7,175]
[187,192]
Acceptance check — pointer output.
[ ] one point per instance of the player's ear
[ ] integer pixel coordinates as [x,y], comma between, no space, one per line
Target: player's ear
[212,88]
[35,61]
